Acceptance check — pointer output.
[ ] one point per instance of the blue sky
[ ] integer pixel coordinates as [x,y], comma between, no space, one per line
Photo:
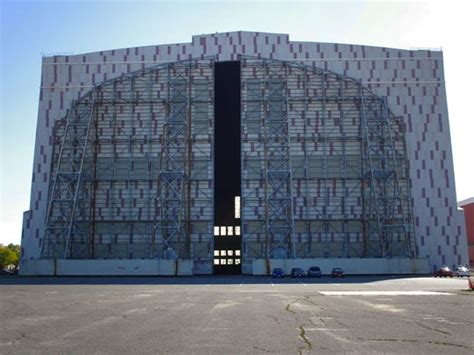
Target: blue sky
[30,28]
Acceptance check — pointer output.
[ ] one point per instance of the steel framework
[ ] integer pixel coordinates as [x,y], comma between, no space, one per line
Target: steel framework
[132,168]
[324,166]
[387,219]
[265,102]
[68,230]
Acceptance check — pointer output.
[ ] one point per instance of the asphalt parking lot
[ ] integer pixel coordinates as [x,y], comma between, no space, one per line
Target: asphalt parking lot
[224,315]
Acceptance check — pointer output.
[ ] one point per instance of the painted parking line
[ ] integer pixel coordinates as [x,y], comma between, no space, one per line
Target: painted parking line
[385,293]
[212,282]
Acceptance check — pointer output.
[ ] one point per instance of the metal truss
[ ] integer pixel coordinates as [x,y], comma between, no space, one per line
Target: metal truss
[174,167]
[339,147]
[187,98]
[67,232]
[279,227]
[131,168]
[132,171]
[387,219]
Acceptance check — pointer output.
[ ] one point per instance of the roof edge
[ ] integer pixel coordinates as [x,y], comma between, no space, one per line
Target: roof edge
[466,202]
[46,57]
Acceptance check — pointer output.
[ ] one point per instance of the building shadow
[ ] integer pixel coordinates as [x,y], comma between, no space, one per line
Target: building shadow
[194,280]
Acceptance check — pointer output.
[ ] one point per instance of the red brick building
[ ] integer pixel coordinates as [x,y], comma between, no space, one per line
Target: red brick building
[468,207]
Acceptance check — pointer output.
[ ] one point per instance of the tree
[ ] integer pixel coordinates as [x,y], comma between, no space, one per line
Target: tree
[9,255]
[17,250]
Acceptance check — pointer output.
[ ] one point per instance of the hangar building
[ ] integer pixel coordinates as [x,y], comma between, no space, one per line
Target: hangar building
[240,152]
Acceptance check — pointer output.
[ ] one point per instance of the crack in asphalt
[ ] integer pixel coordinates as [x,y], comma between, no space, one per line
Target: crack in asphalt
[305,339]
[417,341]
[408,318]
[262,349]
[433,329]
[289,310]
[415,321]
[18,339]
[308,346]
[274,318]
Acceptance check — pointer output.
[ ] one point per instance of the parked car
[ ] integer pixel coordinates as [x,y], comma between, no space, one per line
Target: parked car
[462,271]
[444,271]
[337,272]
[278,272]
[6,272]
[297,272]
[314,271]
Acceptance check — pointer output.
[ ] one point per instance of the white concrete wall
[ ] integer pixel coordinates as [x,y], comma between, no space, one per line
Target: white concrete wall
[185,267]
[37,267]
[350,266]
[106,267]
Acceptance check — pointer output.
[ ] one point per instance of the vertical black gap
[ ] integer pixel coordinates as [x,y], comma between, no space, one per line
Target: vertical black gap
[226,156]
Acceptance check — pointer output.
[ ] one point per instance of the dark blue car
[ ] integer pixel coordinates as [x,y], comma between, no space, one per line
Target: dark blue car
[278,272]
[314,271]
[337,272]
[297,272]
